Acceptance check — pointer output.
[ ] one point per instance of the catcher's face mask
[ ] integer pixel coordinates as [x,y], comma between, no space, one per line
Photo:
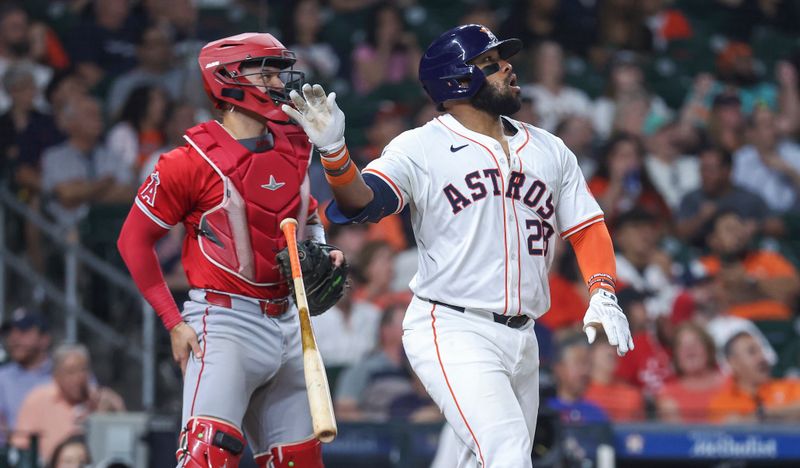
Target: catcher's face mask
[222,64]
[273,77]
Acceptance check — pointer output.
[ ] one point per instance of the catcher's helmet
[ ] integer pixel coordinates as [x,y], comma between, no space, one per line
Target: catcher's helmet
[444,69]
[221,64]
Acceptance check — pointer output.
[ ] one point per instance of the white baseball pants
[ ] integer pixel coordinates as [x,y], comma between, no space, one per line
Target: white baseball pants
[484,376]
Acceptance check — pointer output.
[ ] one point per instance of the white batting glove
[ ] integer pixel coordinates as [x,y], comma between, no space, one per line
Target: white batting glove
[604,312]
[319,116]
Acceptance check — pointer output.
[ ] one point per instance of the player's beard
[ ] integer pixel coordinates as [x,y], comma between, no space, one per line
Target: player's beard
[489,99]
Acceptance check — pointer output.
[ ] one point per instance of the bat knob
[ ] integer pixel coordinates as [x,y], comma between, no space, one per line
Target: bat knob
[288,221]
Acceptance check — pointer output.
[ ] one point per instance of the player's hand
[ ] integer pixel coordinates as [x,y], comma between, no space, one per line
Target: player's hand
[319,116]
[184,340]
[606,313]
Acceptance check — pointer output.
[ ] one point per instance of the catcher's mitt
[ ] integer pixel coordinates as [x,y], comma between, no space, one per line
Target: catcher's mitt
[324,282]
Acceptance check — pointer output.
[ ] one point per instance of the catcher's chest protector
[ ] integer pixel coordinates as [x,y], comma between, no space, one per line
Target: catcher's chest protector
[242,234]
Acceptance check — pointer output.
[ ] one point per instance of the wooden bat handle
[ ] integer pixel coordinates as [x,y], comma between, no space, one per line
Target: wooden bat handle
[319,395]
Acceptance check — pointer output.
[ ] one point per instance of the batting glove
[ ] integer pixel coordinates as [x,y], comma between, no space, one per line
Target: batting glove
[319,116]
[604,312]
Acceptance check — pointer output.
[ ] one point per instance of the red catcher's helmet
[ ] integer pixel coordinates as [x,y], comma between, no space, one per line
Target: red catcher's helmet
[221,64]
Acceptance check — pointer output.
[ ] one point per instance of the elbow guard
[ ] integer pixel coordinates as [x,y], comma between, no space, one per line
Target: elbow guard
[384,202]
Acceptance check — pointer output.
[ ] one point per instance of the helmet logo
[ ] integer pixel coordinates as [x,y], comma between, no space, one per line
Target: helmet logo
[212,64]
[486,31]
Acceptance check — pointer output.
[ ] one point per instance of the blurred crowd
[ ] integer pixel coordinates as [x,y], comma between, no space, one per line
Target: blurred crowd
[684,117]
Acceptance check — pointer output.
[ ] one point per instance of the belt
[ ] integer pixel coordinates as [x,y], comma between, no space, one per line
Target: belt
[511,321]
[270,307]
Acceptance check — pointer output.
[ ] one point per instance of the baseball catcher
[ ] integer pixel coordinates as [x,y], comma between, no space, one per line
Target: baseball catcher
[238,337]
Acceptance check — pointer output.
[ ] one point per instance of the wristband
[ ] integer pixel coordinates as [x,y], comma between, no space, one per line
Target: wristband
[339,168]
[602,280]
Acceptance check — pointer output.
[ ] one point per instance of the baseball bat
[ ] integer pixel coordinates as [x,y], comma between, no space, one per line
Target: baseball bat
[319,395]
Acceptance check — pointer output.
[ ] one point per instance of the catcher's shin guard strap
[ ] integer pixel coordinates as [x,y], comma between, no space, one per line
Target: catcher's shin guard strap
[209,442]
[305,454]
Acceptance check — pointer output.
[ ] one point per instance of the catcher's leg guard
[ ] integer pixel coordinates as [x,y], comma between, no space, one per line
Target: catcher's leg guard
[305,454]
[210,443]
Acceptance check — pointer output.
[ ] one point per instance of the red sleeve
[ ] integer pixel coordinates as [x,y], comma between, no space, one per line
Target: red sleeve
[136,245]
[169,193]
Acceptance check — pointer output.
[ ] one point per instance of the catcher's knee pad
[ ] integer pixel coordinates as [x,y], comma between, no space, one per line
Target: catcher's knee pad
[305,454]
[210,443]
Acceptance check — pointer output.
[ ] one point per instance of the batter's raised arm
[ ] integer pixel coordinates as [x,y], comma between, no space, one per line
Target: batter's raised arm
[323,122]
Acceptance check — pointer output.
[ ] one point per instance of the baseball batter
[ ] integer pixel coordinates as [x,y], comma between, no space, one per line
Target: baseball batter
[237,338]
[487,196]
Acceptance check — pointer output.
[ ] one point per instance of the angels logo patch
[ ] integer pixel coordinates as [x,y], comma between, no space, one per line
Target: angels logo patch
[148,194]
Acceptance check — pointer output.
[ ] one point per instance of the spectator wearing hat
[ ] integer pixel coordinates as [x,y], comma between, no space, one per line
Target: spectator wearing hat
[58,409]
[27,340]
[751,394]
[736,69]
[738,76]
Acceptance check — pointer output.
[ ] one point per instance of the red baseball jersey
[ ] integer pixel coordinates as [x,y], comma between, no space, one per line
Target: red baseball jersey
[181,188]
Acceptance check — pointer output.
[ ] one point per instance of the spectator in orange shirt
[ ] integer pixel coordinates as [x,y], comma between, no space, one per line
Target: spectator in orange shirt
[686,399]
[758,284]
[751,394]
[58,409]
[622,402]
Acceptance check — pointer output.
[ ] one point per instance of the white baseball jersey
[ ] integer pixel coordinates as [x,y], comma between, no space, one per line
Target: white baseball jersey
[485,223]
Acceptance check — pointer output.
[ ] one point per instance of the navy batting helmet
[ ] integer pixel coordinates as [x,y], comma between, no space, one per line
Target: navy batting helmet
[444,69]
